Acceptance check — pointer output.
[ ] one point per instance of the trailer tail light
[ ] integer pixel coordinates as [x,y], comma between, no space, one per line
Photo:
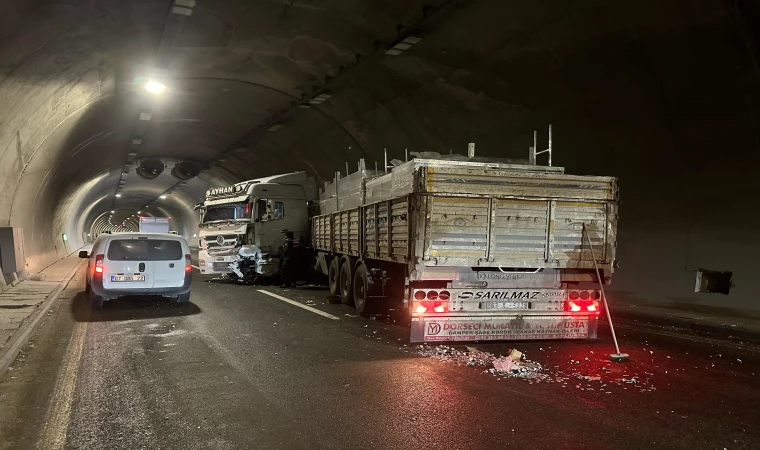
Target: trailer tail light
[430,306]
[99,264]
[582,306]
[431,302]
[188,263]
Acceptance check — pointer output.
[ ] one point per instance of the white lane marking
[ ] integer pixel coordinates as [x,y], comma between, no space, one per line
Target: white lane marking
[59,410]
[300,305]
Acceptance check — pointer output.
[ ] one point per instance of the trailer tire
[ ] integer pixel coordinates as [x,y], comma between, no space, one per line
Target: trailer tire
[362,302]
[333,276]
[346,283]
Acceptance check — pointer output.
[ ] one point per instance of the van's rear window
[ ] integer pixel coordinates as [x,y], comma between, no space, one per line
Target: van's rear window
[144,250]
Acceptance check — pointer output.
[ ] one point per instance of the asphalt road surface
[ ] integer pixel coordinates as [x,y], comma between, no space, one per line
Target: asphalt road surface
[238,368]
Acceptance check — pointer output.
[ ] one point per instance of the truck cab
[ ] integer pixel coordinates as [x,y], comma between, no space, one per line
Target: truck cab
[241,229]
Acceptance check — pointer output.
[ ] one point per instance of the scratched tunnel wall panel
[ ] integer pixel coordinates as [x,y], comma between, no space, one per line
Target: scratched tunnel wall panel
[663,96]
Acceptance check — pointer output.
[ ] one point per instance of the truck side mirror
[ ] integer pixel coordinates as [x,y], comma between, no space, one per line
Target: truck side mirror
[83,254]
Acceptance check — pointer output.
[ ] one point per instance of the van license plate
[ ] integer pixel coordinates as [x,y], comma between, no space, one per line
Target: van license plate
[117,278]
[505,305]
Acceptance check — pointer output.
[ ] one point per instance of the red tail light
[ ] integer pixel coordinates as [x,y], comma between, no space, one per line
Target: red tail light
[582,306]
[431,301]
[425,306]
[188,264]
[99,264]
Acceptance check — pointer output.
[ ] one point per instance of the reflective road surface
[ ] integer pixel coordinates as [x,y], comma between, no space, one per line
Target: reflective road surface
[238,368]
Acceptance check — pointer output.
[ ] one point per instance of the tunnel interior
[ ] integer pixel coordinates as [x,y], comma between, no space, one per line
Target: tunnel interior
[663,95]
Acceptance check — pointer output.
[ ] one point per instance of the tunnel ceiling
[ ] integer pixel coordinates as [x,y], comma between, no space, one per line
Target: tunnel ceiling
[244,80]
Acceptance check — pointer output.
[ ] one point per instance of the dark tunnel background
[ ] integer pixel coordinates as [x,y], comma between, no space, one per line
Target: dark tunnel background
[663,95]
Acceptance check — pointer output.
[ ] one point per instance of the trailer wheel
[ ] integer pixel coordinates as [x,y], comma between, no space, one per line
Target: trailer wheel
[333,280]
[361,291]
[346,285]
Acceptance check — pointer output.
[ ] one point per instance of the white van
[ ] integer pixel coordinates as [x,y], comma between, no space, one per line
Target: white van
[138,264]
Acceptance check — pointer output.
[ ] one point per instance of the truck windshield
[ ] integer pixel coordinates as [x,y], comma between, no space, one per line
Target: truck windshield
[230,211]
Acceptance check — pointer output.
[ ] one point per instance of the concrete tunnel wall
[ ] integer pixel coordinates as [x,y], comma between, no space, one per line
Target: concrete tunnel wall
[663,95]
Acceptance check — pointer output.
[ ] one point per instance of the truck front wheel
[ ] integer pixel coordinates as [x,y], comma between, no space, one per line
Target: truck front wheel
[346,284]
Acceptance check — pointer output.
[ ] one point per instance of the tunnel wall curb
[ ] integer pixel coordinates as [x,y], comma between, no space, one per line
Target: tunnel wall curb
[690,324]
[21,337]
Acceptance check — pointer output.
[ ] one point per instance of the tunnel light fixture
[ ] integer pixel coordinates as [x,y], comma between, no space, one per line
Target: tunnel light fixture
[403,45]
[155,87]
[118,195]
[183,7]
[145,116]
[113,212]
[319,99]
[275,127]
[162,197]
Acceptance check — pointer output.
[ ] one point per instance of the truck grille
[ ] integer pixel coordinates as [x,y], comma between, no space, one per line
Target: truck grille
[212,241]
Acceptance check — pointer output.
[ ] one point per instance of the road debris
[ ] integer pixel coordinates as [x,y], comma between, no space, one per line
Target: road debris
[595,374]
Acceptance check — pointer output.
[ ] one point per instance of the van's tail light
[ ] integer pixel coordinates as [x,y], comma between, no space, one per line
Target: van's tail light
[431,302]
[99,264]
[188,264]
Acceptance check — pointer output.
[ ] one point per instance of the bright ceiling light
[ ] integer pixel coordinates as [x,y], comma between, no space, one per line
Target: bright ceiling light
[154,87]
[118,195]
[162,197]
[113,212]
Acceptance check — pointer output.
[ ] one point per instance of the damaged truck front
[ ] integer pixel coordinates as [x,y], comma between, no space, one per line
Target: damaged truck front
[241,225]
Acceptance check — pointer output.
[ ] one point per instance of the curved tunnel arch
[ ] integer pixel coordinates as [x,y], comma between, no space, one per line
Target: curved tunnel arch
[648,97]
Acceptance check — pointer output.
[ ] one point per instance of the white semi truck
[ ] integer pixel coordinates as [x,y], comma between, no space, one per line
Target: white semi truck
[241,225]
[472,249]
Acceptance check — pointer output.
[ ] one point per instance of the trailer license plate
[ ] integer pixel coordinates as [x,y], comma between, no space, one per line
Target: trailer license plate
[504,305]
[118,278]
